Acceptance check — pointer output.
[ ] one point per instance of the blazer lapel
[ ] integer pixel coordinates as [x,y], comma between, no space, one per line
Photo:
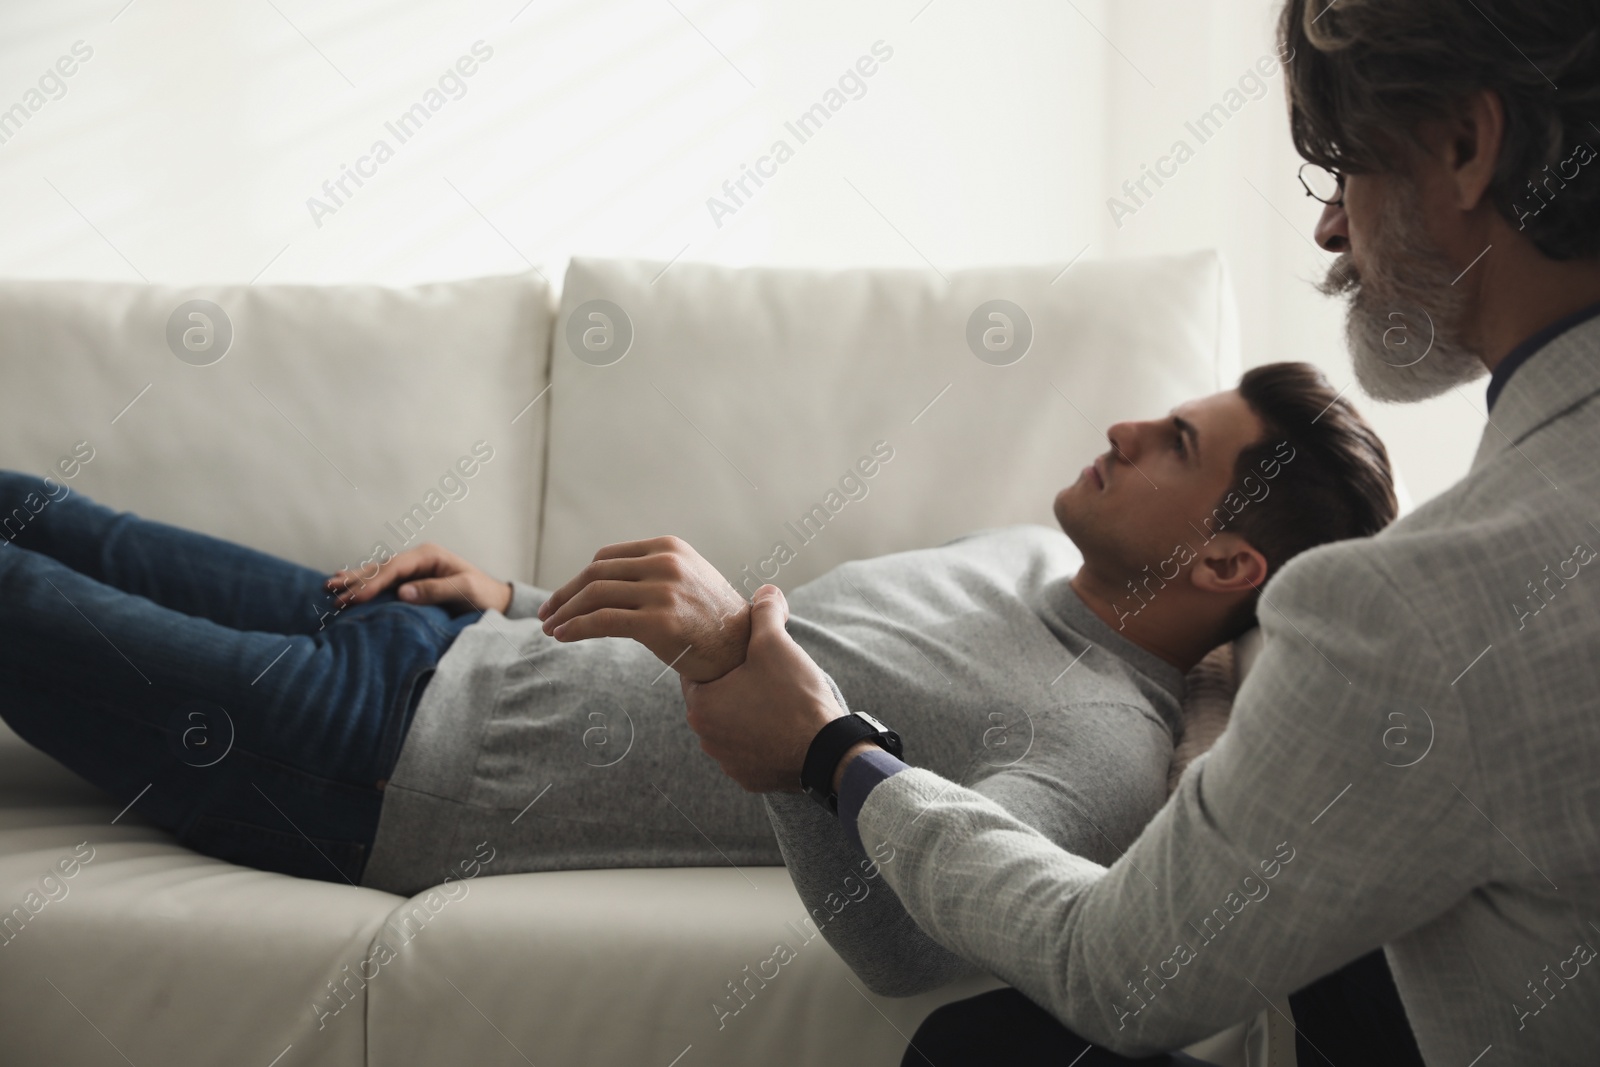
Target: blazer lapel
[1556,379]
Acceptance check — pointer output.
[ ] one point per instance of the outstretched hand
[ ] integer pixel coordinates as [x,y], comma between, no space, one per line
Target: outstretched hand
[664,595]
[759,720]
[426,574]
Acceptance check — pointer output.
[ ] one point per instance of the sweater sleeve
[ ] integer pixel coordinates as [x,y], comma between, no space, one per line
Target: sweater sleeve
[1303,840]
[1093,775]
[525,601]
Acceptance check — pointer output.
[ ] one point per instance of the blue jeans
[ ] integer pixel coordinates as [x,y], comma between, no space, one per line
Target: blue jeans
[214,688]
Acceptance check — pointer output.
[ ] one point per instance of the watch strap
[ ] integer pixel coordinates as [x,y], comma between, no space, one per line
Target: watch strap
[829,747]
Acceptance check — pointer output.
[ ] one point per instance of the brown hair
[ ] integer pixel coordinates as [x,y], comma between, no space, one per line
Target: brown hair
[1335,484]
[1362,74]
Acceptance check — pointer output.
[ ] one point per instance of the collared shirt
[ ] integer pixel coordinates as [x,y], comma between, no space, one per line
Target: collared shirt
[1520,354]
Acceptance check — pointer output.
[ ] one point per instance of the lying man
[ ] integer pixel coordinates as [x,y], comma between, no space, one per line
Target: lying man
[204,683]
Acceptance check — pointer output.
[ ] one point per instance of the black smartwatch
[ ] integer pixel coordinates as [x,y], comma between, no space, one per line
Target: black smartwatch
[829,747]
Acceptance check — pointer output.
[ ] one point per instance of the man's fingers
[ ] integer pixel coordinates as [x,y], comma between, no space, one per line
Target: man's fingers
[625,559]
[424,560]
[606,622]
[646,547]
[601,593]
[622,569]
[354,587]
[591,573]
[768,613]
[448,590]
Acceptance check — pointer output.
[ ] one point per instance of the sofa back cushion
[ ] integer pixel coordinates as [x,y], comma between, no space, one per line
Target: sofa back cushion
[783,421]
[314,422]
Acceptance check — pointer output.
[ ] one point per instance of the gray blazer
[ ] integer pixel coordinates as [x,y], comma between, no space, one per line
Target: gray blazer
[1413,762]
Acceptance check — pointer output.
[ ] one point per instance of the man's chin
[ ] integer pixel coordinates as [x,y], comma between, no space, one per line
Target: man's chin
[1402,323]
[1398,373]
[1063,513]
[1071,518]
[1383,381]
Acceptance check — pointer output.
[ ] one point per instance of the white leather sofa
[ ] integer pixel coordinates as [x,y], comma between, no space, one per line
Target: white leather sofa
[717,404]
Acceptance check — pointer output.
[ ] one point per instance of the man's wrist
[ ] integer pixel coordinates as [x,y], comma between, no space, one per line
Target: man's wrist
[844,761]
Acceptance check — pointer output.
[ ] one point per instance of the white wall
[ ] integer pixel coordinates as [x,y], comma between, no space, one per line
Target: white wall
[185,149]
[1239,194]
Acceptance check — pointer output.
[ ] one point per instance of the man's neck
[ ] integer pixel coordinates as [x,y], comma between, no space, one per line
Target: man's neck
[1521,291]
[1149,629]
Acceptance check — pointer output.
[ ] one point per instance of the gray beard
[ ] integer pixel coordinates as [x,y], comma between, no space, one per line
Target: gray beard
[1404,320]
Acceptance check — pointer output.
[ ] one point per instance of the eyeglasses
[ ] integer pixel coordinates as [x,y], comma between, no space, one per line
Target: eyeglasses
[1322,184]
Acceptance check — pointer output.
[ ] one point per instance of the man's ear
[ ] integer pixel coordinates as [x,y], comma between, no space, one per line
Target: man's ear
[1228,564]
[1466,146]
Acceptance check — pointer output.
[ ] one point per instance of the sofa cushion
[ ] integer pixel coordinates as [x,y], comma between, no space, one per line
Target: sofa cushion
[728,405]
[314,422]
[115,940]
[637,966]
[180,959]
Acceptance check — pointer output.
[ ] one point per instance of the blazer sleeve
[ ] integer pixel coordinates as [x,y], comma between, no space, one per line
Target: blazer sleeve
[1095,774]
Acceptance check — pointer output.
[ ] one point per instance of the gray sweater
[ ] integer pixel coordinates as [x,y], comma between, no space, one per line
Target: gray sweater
[562,756]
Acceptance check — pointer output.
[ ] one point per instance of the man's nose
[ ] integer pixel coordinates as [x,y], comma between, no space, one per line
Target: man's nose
[1124,438]
[1332,232]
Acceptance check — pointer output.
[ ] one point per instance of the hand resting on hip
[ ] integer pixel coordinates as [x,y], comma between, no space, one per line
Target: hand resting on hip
[426,574]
